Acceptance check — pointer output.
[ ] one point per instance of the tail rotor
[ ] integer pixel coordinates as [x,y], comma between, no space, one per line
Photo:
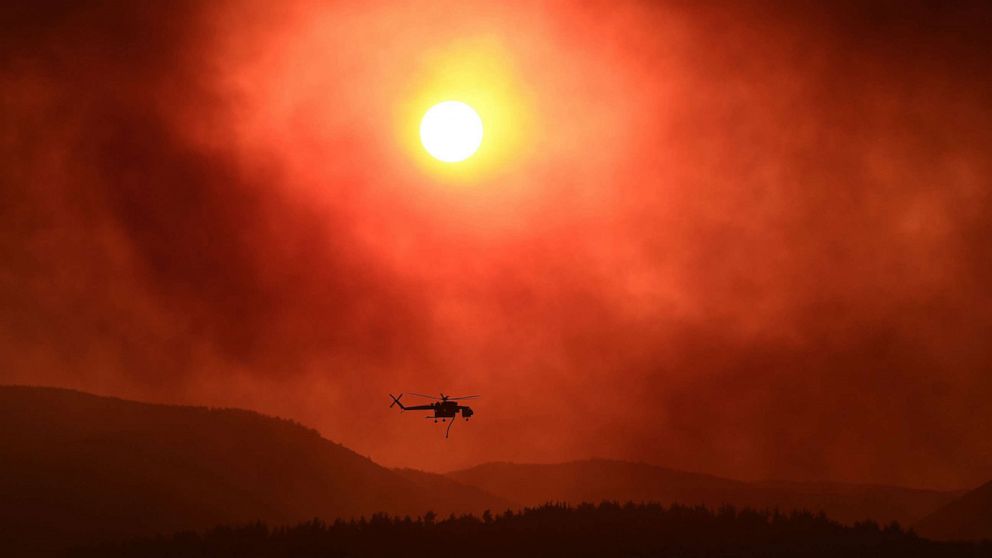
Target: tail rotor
[396,401]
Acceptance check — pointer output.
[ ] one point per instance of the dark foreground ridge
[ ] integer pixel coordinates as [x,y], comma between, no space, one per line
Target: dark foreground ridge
[606,530]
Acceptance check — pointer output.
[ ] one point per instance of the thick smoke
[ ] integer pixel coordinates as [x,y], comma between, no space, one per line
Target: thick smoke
[752,240]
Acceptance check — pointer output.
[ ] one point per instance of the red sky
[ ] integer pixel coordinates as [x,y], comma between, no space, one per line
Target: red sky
[745,239]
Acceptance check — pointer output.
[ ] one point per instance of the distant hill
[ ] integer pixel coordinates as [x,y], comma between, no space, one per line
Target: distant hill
[78,468]
[449,494]
[967,518]
[596,480]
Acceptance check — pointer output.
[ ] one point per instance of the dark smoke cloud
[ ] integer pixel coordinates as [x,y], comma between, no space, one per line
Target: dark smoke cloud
[751,240]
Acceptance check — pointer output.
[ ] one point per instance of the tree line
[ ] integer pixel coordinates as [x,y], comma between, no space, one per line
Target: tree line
[604,530]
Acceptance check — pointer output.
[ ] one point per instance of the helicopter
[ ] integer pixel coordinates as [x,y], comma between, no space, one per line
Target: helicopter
[444,407]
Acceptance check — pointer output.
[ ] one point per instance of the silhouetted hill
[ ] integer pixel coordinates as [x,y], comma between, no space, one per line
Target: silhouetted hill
[77,467]
[606,530]
[597,480]
[967,518]
[450,494]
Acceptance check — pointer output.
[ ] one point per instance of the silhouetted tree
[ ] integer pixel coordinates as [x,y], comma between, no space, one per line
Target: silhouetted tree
[604,530]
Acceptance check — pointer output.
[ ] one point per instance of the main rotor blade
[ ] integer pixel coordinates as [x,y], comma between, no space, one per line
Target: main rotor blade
[422,395]
[464,397]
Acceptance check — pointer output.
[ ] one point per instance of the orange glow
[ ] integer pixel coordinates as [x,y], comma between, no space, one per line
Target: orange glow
[737,239]
[478,73]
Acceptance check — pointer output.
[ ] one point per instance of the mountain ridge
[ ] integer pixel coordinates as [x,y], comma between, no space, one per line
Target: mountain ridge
[75,466]
[610,479]
[966,518]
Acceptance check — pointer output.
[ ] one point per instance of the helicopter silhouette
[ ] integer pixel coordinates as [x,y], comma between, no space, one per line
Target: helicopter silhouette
[444,407]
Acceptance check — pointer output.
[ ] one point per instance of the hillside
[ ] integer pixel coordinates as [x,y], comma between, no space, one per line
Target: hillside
[596,480]
[449,494]
[967,518]
[76,467]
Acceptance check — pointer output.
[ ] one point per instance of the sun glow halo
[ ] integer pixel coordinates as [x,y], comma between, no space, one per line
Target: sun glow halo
[451,131]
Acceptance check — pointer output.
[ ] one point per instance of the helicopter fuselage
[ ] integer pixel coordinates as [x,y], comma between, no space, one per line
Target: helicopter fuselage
[450,409]
[443,409]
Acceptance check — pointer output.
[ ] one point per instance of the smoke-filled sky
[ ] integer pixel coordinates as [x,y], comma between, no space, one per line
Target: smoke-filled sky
[746,239]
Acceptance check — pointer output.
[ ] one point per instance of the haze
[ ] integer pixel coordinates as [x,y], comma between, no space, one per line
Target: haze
[746,240]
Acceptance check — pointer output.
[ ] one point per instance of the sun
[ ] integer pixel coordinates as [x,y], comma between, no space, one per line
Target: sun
[451,131]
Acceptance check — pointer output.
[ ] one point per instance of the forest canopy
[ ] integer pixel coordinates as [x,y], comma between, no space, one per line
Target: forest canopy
[606,529]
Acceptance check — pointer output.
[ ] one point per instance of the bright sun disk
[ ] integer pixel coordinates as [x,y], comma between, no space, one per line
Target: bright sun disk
[451,131]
